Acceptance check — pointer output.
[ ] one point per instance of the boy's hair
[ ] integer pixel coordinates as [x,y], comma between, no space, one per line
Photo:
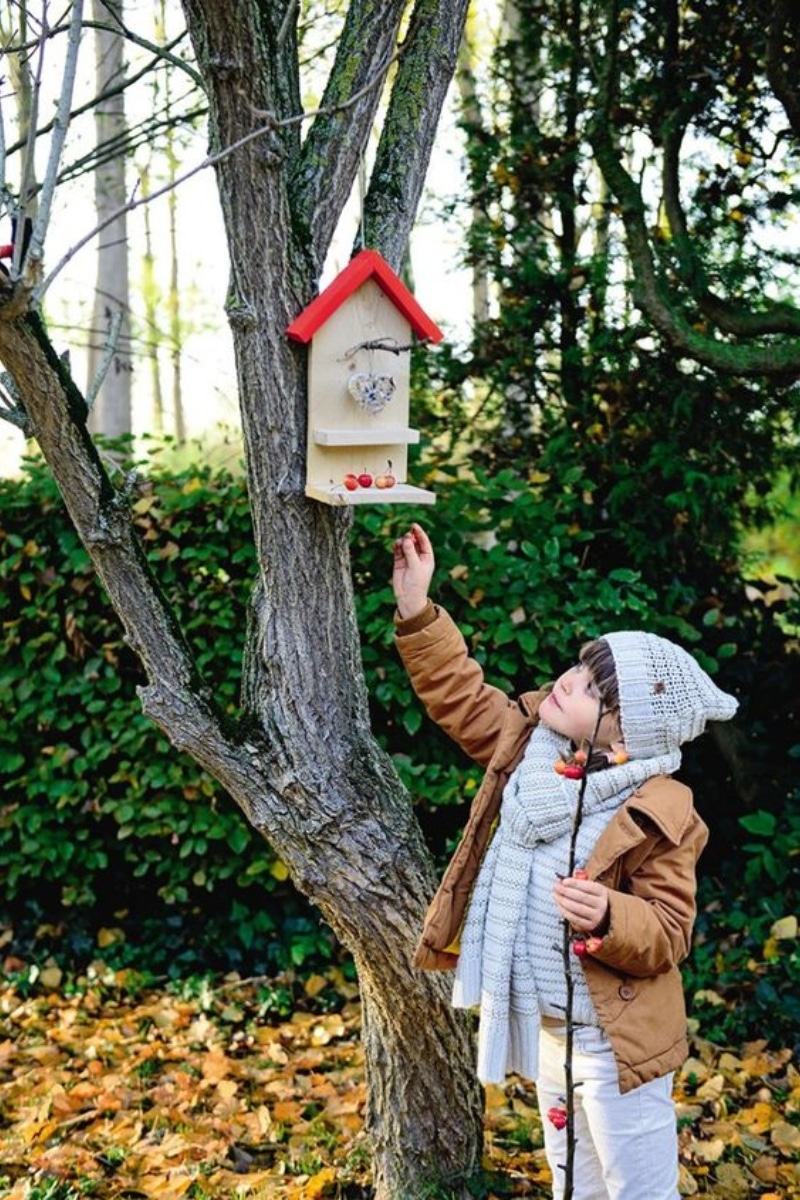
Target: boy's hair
[596,656]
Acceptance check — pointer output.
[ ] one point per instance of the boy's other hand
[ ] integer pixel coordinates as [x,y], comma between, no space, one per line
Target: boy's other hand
[414,565]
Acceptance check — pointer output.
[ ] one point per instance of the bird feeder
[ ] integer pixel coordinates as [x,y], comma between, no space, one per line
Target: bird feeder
[359,332]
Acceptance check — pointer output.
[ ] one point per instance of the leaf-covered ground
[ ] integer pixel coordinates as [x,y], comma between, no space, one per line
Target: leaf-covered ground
[112,1090]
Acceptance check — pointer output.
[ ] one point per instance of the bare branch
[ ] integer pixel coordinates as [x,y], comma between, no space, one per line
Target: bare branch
[270,125]
[159,52]
[429,56]
[134,204]
[11,407]
[61,125]
[329,159]
[109,349]
[101,96]
[28,172]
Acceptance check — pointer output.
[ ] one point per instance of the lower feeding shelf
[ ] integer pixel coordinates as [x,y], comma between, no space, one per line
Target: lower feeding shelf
[399,493]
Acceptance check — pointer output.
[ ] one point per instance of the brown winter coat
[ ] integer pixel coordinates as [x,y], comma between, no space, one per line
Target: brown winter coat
[646,856]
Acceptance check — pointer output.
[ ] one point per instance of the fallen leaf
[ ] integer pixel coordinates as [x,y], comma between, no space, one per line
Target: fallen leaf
[785,1137]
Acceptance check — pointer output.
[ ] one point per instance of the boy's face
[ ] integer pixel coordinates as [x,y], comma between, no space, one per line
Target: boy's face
[572,706]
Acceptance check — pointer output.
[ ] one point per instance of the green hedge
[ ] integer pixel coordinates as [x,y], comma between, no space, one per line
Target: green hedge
[102,821]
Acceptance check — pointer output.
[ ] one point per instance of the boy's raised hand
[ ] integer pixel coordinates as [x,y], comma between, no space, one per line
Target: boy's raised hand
[414,565]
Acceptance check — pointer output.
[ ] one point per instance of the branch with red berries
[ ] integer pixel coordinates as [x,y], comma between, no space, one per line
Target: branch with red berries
[575,766]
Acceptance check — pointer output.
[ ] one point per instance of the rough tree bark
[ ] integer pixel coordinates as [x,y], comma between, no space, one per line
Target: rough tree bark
[303,767]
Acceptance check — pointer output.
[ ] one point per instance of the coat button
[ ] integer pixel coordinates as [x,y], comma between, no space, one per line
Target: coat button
[627,992]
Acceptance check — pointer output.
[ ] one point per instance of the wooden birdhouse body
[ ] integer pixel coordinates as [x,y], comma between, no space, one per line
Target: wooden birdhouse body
[360,331]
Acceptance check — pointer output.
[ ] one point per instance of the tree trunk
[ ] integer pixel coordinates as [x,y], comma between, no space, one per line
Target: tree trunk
[112,411]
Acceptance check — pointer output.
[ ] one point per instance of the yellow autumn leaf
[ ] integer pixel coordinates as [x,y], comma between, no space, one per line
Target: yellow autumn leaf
[109,937]
[315,984]
[193,485]
[320,1184]
[164,1189]
[712,1089]
[144,504]
[732,1181]
[287,1111]
[785,1137]
[51,976]
[216,1065]
[784,928]
[710,1151]
[709,996]
[227,1089]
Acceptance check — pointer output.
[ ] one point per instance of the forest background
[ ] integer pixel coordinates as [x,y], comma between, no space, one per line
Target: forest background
[593,468]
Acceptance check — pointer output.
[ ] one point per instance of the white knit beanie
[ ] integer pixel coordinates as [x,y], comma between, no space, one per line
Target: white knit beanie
[665,697]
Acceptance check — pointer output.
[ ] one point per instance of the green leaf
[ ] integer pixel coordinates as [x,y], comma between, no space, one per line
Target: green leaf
[762,823]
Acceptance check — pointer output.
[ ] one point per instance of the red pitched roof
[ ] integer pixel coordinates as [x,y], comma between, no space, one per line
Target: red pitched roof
[367,264]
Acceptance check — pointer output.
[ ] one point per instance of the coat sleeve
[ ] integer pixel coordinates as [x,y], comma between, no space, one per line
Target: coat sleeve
[450,683]
[651,915]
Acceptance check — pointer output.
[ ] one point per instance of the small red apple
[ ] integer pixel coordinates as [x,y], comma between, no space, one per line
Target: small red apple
[365,479]
[386,480]
[350,482]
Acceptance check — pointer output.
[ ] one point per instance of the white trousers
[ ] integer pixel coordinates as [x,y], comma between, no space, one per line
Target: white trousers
[626,1145]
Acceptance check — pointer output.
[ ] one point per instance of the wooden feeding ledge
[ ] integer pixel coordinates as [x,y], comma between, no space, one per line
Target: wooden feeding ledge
[359,332]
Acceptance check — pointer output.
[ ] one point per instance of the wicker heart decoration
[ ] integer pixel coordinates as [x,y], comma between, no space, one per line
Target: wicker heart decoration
[371,392]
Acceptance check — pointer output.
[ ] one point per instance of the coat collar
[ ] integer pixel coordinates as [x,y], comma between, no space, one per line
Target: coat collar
[665,802]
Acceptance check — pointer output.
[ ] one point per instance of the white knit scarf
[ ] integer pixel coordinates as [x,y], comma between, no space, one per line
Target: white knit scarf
[538,808]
